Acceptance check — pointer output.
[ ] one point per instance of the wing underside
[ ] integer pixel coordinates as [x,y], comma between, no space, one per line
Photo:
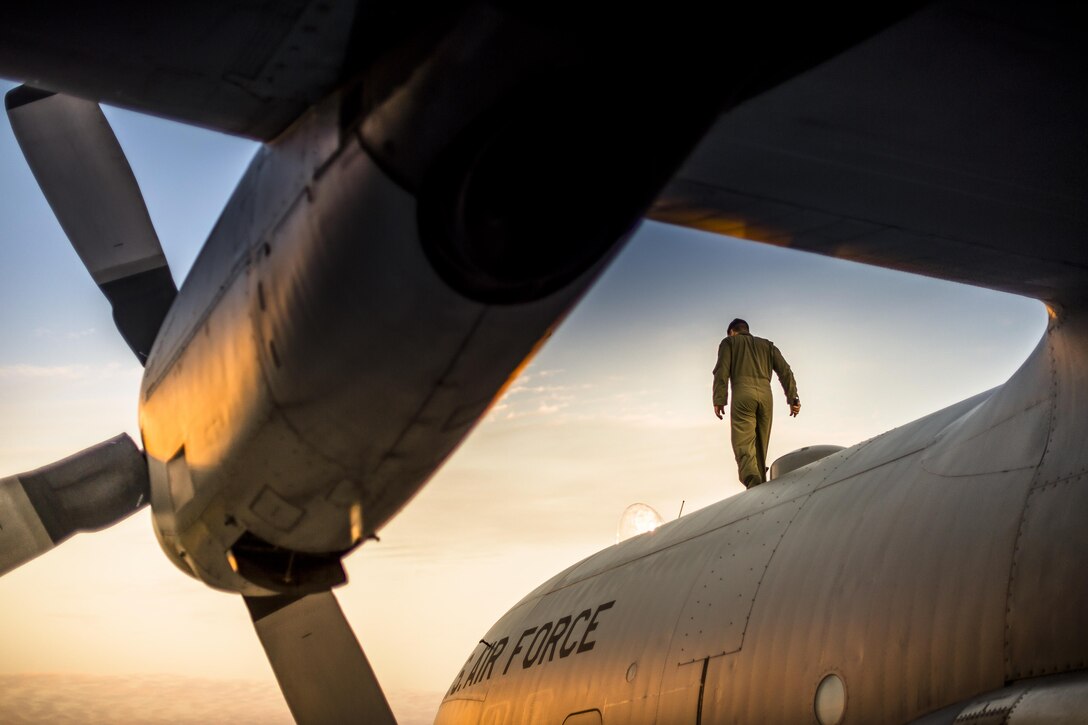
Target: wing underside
[247,68]
[951,145]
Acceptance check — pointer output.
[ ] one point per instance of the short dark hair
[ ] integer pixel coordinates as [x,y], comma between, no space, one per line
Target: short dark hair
[738,324]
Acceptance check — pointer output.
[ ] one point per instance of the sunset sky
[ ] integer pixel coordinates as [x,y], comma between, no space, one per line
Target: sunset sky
[616,409]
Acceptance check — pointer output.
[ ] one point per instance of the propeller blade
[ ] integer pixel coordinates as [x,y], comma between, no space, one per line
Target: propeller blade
[81,169]
[322,671]
[89,491]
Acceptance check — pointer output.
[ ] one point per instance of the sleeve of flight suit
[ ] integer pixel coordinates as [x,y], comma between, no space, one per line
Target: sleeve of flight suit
[721,373]
[785,375]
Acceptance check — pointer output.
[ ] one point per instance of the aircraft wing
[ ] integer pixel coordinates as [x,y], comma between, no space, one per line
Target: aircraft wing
[894,153]
[246,68]
[952,144]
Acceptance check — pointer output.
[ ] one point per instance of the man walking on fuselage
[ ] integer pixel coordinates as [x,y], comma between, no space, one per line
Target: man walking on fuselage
[747,361]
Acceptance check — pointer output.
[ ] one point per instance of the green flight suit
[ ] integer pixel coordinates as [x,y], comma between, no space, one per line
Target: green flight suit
[747,362]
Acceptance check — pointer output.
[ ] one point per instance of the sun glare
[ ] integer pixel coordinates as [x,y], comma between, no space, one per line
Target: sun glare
[638,518]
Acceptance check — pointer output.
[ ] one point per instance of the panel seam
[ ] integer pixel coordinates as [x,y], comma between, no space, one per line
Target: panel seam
[1033,488]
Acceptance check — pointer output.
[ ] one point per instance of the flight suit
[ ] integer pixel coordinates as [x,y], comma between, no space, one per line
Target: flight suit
[747,361]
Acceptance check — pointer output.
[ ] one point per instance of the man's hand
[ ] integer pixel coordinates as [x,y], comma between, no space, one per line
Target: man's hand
[795,408]
[718,410]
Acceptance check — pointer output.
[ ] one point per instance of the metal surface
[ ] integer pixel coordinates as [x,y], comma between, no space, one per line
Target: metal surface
[715,616]
[81,169]
[89,185]
[88,491]
[302,394]
[1059,702]
[949,145]
[1055,700]
[322,671]
[22,534]
[801,457]
[1047,596]
[923,567]
[249,68]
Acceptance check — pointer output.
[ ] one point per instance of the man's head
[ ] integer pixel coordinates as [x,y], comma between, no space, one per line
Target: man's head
[736,327]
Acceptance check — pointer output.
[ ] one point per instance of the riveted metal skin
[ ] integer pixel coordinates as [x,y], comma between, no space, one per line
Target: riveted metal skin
[923,567]
[276,411]
[801,457]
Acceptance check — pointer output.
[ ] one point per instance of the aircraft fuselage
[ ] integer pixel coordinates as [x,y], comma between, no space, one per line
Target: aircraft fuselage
[923,567]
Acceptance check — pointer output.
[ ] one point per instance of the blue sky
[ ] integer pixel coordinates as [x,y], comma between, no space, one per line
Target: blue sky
[615,409]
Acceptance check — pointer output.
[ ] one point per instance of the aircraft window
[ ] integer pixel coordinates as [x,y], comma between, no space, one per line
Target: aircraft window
[830,700]
[632,671]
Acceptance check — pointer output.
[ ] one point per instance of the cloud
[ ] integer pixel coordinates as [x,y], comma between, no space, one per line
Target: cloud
[109,371]
[149,699]
[72,698]
[49,334]
[61,372]
[554,397]
[523,399]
